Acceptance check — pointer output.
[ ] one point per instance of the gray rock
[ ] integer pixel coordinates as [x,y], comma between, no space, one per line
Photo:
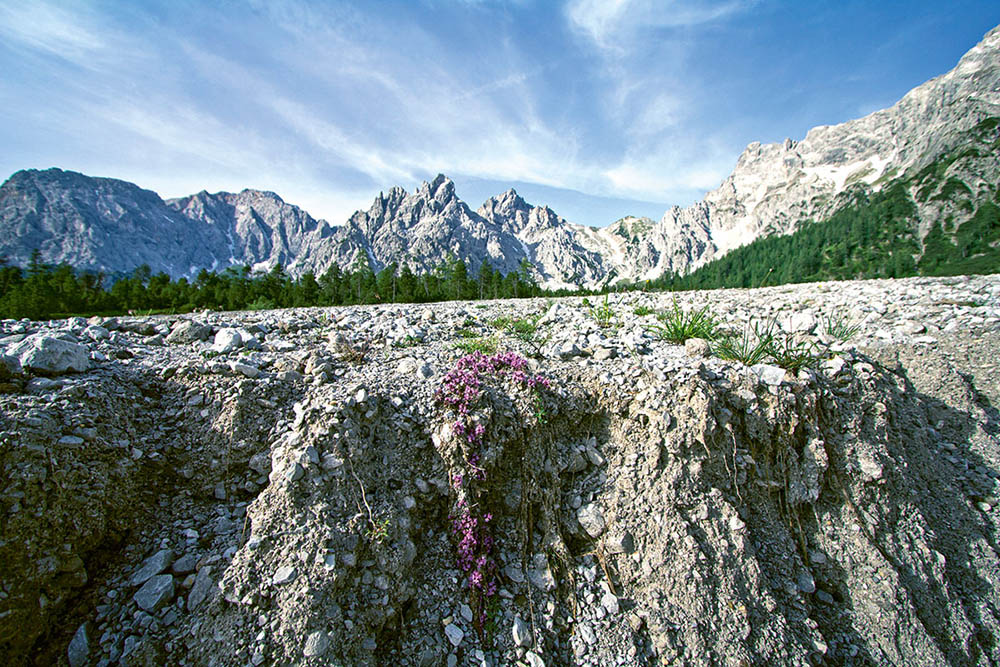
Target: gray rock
[78,652]
[188,331]
[155,593]
[768,374]
[185,564]
[260,463]
[246,370]
[152,566]
[540,574]
[522,633]
[604,353]
[284,574]
[203,587]
[96,333]
[591,519]
[317,643]
[454,634]
[533,659]
[9,367]
[697,347]
[805,582]
[610,602]
[620,543]
[227,340]
[47,355]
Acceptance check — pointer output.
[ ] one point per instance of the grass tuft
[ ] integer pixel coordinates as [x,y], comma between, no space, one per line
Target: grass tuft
[749,347]
[676,325]
[841,328]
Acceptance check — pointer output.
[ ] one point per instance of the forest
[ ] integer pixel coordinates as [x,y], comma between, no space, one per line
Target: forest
[873,237]
[42,291]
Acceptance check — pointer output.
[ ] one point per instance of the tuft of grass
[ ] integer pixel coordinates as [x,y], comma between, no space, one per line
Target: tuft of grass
[841,328]
[408,341]
[749,347]
[793,356]
[602,313]
[525,329]
[470,345]
[676,326]
[463,332]
[641,311]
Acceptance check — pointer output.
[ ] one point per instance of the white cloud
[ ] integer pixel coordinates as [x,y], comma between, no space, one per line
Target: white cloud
[613,24]
[49,28]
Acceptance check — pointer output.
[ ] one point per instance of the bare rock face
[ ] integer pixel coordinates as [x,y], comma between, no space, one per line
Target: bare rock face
[775,187]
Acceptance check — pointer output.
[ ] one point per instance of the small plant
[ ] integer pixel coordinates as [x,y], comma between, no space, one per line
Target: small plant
[841,328]
[603,313]
[481,345]
[525,329]
[408,341]
[642,311]
[750,347]
[472,524]
[352,352]
[463,332]
[677,326]
[792,356]
[378,530]
[262,303]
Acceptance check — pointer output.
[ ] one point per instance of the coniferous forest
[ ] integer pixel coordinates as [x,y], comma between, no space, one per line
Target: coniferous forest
[42,291]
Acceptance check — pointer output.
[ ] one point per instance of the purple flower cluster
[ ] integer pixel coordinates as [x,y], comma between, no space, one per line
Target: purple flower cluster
[475,546]
[461,390]
[461,385]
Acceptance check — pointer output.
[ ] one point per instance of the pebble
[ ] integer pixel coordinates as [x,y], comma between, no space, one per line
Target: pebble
[284,574]
[454,634]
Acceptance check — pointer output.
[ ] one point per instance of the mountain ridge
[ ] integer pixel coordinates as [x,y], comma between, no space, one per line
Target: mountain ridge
[113,226]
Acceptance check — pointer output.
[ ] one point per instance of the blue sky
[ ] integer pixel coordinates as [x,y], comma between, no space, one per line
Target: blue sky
[597,108]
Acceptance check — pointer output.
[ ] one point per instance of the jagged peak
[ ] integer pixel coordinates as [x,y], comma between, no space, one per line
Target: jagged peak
[509,199]
[440,188]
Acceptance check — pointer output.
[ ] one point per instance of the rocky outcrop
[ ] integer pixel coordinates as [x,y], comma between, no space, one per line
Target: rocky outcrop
[309,499]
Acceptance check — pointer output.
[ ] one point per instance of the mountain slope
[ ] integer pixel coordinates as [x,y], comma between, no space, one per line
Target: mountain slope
[776,187]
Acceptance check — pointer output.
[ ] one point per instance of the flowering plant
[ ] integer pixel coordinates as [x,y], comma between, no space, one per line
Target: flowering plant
[471,526]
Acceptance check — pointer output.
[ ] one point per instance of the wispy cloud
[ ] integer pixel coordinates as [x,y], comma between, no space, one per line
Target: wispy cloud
[326,103]
[50,28]
[613,24]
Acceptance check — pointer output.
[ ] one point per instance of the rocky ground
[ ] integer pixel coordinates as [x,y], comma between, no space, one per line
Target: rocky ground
[334,486]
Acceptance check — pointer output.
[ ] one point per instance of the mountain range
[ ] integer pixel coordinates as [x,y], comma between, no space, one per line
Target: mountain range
[941,142]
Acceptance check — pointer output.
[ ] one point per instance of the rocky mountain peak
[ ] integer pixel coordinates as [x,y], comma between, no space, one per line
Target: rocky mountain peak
[441,189]
[505,204]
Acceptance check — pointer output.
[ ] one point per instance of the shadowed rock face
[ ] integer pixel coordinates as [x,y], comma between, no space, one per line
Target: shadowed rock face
[114,226]
[295,500]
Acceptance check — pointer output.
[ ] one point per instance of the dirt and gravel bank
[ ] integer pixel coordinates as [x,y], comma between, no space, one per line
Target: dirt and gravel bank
[334,486]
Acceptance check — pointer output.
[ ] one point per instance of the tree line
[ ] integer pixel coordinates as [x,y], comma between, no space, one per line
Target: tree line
[44,291]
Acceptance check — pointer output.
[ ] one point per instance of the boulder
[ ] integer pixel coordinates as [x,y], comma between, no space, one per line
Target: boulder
[188,331]
[47,355]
